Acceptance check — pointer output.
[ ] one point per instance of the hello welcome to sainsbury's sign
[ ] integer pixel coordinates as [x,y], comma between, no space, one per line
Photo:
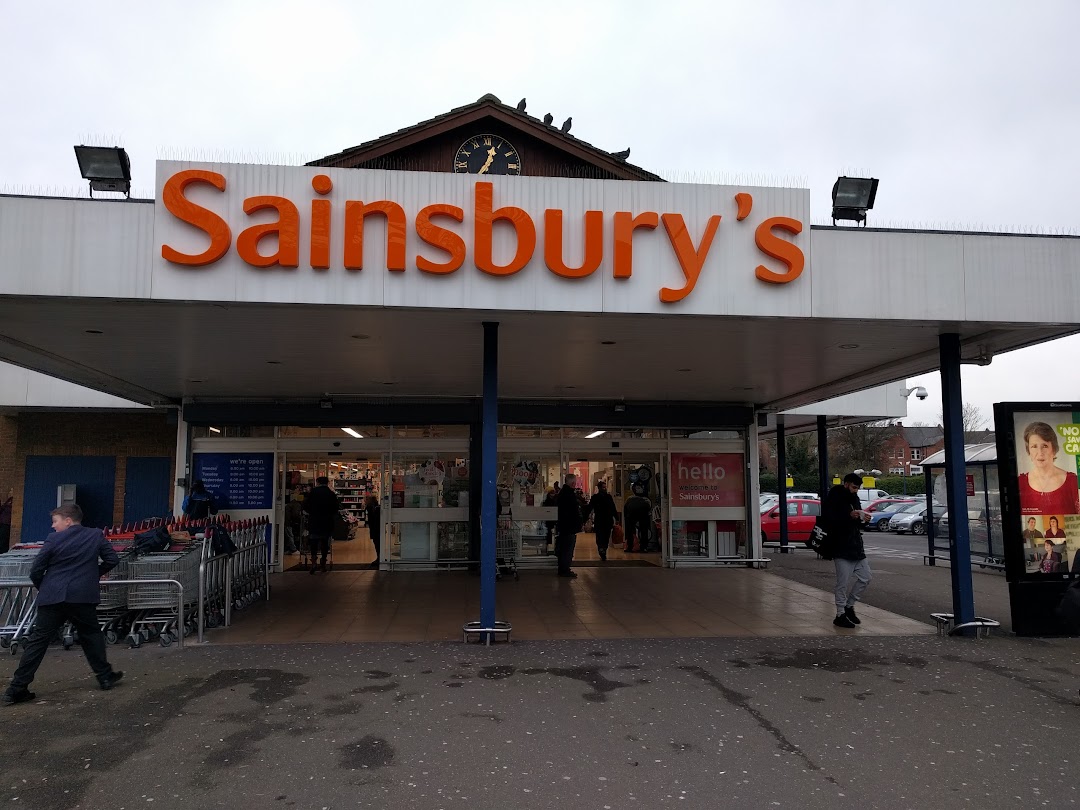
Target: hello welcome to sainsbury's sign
[291,228]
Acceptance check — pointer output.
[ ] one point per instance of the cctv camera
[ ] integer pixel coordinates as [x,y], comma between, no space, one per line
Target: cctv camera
[921,393]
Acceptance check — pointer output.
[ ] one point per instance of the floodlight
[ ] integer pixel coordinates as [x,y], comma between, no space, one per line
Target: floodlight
[106,167]
[852,197]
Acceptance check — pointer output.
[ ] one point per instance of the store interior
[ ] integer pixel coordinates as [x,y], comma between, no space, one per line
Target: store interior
[526,508]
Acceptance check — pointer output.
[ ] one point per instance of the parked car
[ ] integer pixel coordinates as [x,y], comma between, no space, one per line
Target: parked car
[978,531]
[883,504]
[879,518]
[767,500]
[802,515]
[912,518]
[870,495]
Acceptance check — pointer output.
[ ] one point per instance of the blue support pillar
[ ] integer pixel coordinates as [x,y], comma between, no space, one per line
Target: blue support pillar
[489,495]
[823,456]
[781,480]
[952,409]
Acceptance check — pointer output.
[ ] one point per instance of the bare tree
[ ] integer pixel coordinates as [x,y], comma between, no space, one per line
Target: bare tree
[861,446]
[972,416]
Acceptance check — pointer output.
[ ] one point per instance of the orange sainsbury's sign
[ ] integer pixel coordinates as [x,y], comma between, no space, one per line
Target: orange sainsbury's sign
[441,227]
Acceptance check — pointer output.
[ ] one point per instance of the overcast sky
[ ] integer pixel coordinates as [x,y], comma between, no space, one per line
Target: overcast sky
[967,111]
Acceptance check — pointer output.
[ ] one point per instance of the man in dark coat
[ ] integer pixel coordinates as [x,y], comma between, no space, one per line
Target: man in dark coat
[604,514]
[66,573]
[322,506]
[570,523]
[843,515]
[637,512]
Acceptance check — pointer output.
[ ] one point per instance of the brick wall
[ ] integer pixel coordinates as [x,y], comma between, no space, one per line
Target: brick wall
[80,433]
[9,434]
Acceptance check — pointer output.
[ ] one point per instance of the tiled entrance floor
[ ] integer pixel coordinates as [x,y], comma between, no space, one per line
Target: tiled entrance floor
[643,602]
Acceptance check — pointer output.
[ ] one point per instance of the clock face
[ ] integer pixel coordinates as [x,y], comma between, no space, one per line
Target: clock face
[487,154]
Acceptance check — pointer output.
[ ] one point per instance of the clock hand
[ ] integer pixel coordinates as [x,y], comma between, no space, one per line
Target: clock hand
[487,163]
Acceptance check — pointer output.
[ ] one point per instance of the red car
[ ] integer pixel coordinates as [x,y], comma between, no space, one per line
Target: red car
[885,503]
[802,515]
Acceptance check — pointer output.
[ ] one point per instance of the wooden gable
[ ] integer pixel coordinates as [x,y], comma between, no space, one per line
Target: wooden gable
[430,146]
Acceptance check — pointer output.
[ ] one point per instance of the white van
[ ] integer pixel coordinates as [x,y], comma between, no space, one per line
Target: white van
[869,495]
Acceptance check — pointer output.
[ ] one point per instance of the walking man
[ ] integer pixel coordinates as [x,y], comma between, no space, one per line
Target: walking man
[322,506]
[569,525]
[66,573]
[603,511]
[843,516]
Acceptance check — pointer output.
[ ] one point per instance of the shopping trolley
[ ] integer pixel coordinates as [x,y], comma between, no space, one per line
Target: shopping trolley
[507,543]
[154,603]
[18,597]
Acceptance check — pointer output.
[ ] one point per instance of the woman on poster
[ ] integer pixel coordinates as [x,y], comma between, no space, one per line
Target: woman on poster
[1046,488]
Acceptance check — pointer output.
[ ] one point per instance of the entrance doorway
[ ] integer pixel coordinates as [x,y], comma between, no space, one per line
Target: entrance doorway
[637,483]
[354,478]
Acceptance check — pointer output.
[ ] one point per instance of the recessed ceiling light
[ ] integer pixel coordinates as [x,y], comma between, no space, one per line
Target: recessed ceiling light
[570,387]
[215,430]
[274,362]
[361,337]
[748,388]
[194,381]
[389,383]
[849,345]
[94,332]
[607,342]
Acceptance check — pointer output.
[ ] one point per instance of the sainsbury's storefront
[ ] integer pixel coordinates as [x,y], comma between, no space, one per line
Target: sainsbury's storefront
[464,340]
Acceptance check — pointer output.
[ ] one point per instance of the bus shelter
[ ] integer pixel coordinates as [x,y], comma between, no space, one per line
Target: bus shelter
[983,507]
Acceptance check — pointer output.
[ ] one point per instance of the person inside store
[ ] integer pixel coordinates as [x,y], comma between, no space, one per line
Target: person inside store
[569,524]
[199,504]
[1053,530]
[373,517]
[321,506]
[294,523]
[550,499]
[604,514]
[5,521]
[1031,534]
[637,513]
[1047,488]
[66,572]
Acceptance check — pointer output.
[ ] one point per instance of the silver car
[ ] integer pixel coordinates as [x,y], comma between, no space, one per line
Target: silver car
[911,518]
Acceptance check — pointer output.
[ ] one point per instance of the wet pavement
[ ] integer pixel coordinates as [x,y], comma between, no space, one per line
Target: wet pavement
[860,722]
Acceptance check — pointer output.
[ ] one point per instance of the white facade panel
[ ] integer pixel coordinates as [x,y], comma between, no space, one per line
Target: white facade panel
[82,248]
[726,285]
[23,388]
[1010,278]
[882,402]
[893,275]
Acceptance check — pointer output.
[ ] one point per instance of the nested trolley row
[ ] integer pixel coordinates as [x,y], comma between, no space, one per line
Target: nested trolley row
[217,574]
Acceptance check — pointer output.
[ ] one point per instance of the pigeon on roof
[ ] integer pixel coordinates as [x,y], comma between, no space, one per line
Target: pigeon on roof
[623,155]
[567,124]
[548,119]
[521,106]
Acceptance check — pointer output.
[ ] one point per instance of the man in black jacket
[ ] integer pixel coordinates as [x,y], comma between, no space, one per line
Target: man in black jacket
[321,506]
[842,514]
[569,525]
[66,573]
[604,514]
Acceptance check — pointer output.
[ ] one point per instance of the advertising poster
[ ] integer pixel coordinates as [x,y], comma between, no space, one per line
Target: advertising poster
[1047,458]
[707,480]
